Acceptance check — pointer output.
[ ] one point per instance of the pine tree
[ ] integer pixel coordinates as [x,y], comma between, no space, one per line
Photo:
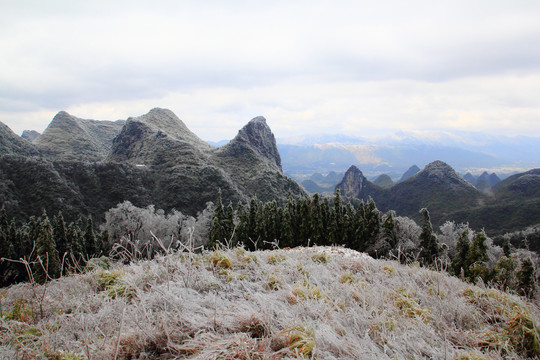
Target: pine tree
[287,228]
[336,219]
[228,222]
[217,233]
[525,278]
[316,226]
[253,236]
[389,231]
[504,272]
[460,262]
[48,262]
[372,225]
[428,241]
[506,246]
[477,257]
[59,234]
[240,235]
[90,240]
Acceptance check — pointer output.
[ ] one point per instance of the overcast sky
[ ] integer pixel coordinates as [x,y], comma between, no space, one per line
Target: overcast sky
[354,67]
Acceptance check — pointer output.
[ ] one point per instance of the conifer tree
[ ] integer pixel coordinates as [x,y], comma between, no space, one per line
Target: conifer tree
[506,246]
[477,257]
[75,239]
[504,272]
[460,262]
[325,222]
[253,236]
[336,216]
[316,229]
[287,227]
[240,235]
[48,262]
[217,233]
[90,240]
[372,225]
[228,222]
[428,241]
[525,278]
[389,231]
[59,234]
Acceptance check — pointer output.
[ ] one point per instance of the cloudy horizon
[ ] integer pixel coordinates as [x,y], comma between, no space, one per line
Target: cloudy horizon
[352,67]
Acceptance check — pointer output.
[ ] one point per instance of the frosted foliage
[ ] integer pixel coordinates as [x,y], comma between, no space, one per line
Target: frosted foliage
[408,233]
[127,221]
[450,233]
[321,302]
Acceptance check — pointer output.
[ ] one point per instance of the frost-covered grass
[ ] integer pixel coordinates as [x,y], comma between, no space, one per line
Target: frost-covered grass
[321,302]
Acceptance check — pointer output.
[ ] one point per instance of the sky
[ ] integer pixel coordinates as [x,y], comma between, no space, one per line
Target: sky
[310,67]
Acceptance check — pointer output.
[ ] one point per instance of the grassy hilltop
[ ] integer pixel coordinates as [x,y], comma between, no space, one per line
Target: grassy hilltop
[313,303]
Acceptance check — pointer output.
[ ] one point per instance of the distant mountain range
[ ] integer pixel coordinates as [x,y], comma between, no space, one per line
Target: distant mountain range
[513,203]
[85,167]
[393,154]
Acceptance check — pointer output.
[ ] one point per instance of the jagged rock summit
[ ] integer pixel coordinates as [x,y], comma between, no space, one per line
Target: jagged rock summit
[256,137]
[74,139]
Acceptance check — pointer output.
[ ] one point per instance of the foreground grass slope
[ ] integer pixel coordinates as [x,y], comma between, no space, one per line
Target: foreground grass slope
[321,302]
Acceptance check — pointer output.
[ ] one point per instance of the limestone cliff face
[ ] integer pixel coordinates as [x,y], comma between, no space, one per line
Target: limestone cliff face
[74,139]
[256,137]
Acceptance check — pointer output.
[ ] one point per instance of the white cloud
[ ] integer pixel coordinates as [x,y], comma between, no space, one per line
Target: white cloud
[308,66]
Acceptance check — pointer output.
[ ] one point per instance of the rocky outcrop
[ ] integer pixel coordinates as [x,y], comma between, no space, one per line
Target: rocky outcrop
[73,139]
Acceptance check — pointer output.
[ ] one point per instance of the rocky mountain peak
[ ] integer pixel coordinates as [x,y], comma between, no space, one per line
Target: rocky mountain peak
[166,123]
[413,170]
[256,135]
[30,135]
[440,172]
[355,184]
[71,138]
